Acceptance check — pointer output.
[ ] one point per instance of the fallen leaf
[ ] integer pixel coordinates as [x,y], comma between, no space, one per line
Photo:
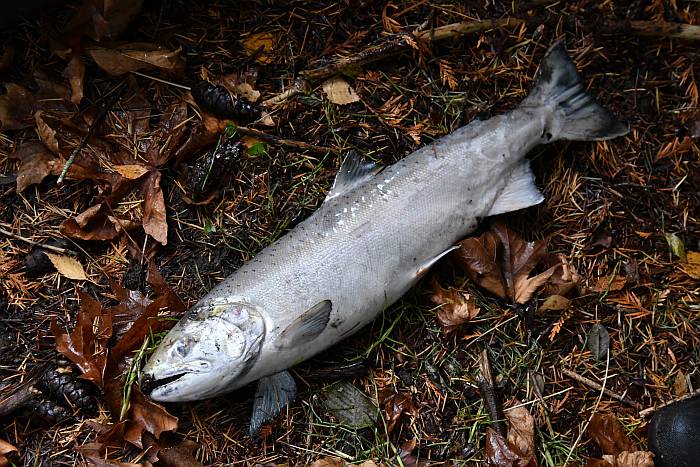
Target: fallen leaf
[145,415]
[692,265]
[246,91]
[36,163]
[75,73]
[125,58]
[132,171]
[608,433]
[599,341]
[6,450]
[395,406]
[178,455]
[101,19]
[608,284]
[154,218]
[339,91]
[329,462]
[631,459]
[6,58]
[67,266]
[500,453]
[677,246]
[350,405]
[456,307]
[521,430]
[261,46]
[47,135]
[16,107]
[555,303]
[565,277]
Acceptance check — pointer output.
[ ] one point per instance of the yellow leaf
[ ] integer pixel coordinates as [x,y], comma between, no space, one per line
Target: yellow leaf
[67,266]
[339,91]
[131,171]
[260,45]
[555,303]
[692,267]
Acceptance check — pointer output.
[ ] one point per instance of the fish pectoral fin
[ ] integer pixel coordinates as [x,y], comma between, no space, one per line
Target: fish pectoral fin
[353,172]
[274,393]
[520,192]
[306,327]
[428,264]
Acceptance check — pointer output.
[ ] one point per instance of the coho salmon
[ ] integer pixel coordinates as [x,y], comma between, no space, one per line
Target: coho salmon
[376,233]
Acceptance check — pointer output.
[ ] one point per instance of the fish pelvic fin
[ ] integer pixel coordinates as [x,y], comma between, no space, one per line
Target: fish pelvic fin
[577,116]
[520,192]
[273,394]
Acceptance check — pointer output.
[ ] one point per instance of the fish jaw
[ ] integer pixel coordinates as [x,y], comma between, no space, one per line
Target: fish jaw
[216,343]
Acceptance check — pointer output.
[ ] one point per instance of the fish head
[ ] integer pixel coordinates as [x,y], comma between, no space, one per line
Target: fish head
[215,343]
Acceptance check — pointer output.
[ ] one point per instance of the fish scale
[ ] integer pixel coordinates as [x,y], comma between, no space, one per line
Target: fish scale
[375,235]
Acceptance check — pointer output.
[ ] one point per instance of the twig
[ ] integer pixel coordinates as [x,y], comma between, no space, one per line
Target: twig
[18,399]
[41,245]
[661,29]
[488,394]
[283,142]
[169,83]
[91,128]
[393,45]
[593,385]
[651,410]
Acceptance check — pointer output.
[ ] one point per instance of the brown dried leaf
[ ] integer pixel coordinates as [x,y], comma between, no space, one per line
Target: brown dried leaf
[100,19]
[608,284]
[261,45]
[67,266]
[145,415]
[329,462]
[16,107]
[631,459]
[555,303]
[608,433]
[692,265]
[125,58]
[396,405]
[521,431]
[6,450]
[36,163]
[132,171]
[500,453]
[565,277]
[339,91]
[75,73]
[480,257]
[457,307]
[47,135]
[154,218]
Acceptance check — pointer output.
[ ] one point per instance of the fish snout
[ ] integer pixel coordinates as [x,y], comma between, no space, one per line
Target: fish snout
[147,383]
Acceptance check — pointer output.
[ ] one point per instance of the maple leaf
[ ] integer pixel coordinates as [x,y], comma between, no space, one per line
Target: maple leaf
[500,453]
[457,307]
[124,58]
[607,432]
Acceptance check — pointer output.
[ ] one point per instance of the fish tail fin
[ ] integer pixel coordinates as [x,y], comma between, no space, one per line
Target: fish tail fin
[577,115]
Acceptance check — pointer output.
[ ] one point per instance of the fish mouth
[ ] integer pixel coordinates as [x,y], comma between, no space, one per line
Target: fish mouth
[151,385]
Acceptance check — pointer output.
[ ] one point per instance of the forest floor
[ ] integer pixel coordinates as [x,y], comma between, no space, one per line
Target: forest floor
[622,213]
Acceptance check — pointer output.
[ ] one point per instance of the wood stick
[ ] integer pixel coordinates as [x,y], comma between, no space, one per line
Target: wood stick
[651,410]
[593,385]
[282,141]
[488,394]
[40,245]
[664,29]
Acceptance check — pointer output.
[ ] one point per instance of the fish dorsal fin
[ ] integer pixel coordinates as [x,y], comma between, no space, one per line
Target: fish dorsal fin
[274,393]
[306,327]
[353,172]
[519,193]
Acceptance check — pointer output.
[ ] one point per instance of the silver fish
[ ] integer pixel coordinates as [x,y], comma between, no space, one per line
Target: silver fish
[377,232]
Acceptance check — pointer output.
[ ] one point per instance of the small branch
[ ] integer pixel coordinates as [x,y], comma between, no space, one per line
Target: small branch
[40,245]
[283,142]
[651,410]
[660,29]
[393,45]
[593,385]
[17,400]
[488,394]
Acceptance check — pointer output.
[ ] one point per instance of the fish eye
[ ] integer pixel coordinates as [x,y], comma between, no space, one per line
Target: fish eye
[182,348]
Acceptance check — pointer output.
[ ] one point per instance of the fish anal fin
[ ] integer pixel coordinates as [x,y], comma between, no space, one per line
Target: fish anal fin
[428,264]
[306,327]
[352,173]
[520,192]
[273,394]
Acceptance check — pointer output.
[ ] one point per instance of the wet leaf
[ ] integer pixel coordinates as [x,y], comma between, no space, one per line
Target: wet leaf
[396,405]
[75,73]
[125,58]
[15,108]
[6,451]
[599,341]
[350,405]
[339,91]
[457,307]
[47,135]
[154,217]
[608,433]
[499,453]
[145,415]
[101,19]
[692,266]
[261,45]
[132,171]
[608,284]
[67,266]
[501,262]
[676,245]
[631,459]
[36,163]
[521,430]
